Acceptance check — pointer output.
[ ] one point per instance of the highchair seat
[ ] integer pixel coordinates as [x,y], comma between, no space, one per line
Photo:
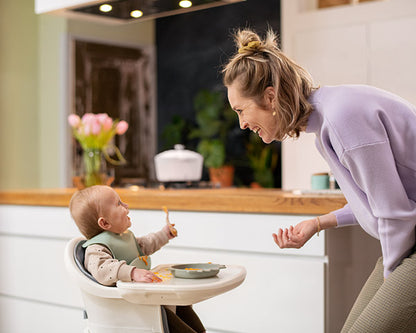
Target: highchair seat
[136,307]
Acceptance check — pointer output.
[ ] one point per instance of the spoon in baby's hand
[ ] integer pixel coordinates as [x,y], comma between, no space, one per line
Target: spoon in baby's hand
[173,231]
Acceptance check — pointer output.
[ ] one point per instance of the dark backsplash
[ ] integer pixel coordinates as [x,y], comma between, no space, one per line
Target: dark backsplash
[191,49]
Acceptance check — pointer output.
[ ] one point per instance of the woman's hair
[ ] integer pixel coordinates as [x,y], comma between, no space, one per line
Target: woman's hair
[259,64]
[84,207]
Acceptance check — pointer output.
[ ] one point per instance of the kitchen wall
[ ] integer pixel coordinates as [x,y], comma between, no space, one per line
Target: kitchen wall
[193,47]
[191,50]
[19,130]
[367,43]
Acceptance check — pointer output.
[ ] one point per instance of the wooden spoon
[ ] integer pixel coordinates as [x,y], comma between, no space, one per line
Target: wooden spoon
[173,231]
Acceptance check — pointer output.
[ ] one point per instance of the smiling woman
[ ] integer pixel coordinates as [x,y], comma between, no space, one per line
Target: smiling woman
[258,117]
[359,132]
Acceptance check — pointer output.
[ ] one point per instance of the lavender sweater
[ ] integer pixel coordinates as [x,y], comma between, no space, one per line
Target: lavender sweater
[368,138]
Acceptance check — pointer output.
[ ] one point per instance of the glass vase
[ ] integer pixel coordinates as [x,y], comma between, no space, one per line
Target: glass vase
[93,170]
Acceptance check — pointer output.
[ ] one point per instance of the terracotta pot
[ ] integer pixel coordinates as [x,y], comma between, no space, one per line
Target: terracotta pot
[224,176]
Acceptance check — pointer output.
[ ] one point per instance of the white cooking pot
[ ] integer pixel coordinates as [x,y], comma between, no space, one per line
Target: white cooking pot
[178,165]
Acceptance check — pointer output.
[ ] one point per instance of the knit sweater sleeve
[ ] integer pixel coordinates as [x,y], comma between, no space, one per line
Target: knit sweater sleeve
[104,268]
[394,211]
[153,241]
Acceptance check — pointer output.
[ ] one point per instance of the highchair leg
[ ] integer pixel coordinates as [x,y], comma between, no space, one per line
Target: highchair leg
[115,315]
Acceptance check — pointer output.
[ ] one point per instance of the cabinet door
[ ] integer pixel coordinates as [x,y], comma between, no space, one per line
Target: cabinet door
[279,292]
[228,231]
[283,289]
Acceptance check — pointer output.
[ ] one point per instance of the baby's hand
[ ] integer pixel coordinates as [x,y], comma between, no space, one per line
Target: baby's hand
[143,275]
[171,231]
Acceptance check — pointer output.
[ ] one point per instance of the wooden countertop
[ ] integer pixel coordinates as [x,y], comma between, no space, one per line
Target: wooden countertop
[211,200]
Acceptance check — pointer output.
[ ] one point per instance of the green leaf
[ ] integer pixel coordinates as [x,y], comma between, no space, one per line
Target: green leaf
[213,152]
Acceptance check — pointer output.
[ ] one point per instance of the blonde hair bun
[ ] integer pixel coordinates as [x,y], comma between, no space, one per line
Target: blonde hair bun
[248,42]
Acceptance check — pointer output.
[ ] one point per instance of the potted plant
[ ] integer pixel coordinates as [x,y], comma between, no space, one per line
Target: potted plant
[175,132]
[214,119]
[263,160]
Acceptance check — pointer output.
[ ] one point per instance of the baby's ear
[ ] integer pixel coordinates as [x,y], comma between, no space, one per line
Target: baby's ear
[103,223]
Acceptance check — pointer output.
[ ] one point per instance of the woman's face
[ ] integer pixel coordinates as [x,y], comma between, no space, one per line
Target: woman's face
[259,119]
[114,211]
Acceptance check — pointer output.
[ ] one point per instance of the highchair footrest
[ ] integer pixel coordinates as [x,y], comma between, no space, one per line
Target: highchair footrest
[177,291]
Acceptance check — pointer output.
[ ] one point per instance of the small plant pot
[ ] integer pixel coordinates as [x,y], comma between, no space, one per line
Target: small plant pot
[222,176]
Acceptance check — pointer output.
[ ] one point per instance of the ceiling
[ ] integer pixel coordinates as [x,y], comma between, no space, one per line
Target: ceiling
[145,9]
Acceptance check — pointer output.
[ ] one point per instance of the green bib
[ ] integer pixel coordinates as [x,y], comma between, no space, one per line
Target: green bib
[123,247]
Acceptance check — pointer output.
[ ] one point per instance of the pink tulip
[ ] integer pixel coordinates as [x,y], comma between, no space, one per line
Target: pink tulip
[87,117]
[88,121]
[74,120]
[85,130]
[107,124]
[101,117]
[122,127]
[95,127]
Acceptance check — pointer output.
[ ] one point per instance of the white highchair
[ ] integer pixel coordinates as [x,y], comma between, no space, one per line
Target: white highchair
[136,307]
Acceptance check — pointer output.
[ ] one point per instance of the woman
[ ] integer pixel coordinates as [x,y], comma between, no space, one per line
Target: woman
[368,138]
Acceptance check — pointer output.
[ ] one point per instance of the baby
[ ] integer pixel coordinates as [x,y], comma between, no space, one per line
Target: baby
[113,252]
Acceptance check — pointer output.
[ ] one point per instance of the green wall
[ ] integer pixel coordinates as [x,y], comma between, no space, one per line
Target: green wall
[19,119]
[35,90]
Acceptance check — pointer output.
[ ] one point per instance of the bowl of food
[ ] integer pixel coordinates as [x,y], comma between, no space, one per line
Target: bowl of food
[195,271]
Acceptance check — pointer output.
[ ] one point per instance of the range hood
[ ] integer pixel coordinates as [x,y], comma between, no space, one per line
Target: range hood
[124,11]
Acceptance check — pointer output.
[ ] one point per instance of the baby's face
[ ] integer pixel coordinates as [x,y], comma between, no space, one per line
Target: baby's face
[114,210]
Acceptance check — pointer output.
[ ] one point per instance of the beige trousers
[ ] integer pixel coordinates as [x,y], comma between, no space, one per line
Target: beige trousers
[386,306]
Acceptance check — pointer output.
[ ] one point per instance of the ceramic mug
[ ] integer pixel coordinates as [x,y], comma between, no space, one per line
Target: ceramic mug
[320,181]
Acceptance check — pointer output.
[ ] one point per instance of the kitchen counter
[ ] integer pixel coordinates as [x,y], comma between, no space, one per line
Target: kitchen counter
[273,201]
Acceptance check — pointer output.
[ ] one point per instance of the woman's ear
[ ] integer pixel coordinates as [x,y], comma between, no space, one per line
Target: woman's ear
[270,97]
[103,223]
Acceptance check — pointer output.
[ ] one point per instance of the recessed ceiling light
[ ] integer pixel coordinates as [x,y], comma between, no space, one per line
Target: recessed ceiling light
[106,8]
[136,13]
[185,3]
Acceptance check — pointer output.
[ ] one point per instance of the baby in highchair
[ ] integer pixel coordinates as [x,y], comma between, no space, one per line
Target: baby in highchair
[114,253]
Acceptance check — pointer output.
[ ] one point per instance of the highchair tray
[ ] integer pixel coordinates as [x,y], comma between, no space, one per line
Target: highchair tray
[177,291]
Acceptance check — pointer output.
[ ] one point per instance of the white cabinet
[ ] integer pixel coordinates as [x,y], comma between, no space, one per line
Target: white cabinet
[284,289]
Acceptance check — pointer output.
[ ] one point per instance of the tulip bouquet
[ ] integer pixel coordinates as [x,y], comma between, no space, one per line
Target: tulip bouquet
[95,132]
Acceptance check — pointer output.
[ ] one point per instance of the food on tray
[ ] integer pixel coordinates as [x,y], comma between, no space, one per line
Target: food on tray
[144,258]
[163,274]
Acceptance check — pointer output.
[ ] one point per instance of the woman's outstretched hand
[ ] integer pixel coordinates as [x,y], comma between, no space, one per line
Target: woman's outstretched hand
[297,236]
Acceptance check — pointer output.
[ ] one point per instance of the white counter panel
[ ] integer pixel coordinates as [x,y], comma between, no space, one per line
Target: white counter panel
[282,287]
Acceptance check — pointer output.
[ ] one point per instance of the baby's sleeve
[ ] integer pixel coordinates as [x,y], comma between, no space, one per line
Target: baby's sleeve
[104,268]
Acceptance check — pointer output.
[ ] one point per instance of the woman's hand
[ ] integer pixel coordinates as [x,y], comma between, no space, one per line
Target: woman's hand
[297,236]
[143,275]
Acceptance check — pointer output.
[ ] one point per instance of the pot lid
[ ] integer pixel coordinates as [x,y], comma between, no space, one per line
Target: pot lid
[179,152]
